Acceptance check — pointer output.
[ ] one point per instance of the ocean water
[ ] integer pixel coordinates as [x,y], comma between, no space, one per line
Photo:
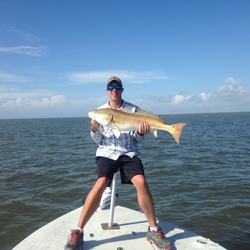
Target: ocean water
[48,167]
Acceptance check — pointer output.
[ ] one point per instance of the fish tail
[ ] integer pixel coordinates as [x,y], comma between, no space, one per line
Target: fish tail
[176,130]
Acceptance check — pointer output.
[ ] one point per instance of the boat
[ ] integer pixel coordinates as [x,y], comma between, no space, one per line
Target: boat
[117,228]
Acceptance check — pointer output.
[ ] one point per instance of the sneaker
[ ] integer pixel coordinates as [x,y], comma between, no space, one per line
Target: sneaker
[158,239]
[75,241]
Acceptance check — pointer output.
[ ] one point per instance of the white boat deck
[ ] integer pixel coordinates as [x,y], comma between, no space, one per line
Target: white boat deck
[131,235]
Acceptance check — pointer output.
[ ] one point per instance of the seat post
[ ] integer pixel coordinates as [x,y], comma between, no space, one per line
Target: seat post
[111,225]
[112,204]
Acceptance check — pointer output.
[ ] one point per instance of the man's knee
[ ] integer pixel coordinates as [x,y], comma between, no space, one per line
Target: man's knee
[101,184]
[139,181]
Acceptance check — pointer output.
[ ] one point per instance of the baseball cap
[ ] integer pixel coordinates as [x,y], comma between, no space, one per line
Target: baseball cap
[114,78]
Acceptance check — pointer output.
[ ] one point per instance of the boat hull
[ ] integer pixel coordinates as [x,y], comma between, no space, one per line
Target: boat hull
[130,235]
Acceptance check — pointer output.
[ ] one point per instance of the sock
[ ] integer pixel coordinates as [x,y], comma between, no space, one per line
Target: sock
[80,229]
[153,229]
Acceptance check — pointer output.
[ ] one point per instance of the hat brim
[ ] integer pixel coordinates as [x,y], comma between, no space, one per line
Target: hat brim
[113,82]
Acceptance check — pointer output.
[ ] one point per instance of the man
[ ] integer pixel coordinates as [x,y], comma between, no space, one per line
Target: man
[122,153]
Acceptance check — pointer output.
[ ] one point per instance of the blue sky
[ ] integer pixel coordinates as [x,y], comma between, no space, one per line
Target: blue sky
[172,56]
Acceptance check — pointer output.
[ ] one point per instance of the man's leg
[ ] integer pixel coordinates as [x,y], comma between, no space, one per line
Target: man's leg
[154,235]
[92,201]
[75,240]
[145,199]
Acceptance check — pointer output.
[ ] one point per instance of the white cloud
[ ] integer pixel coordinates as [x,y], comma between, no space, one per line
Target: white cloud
[25,50]
[7,93]
[232,93]
[204,96]
[230,97]
[125,75]
[180,99]
[8,105]
[24,34]
[19,36]
[29,103]
[138,101]
[45,102]
[11,78]
[233,81]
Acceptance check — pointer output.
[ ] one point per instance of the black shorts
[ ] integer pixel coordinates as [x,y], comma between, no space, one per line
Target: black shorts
[129,167]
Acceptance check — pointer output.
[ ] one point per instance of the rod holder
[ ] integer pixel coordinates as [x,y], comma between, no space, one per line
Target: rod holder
[111,224]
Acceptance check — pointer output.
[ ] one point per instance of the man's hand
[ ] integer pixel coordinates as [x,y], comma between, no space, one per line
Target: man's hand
[94,126]
[144,128]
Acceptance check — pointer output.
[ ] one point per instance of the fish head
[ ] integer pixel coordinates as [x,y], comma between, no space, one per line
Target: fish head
[102,116]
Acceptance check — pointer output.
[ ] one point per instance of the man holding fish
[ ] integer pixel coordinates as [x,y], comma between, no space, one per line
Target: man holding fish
[117,127]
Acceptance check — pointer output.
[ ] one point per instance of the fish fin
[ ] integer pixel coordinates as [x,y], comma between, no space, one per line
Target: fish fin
[116,133]
[116,130]
[115,126]
[154,132]
[176,130]
[153,116]
[126,109]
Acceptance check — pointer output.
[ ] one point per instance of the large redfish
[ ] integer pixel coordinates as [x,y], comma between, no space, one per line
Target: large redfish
[125,120]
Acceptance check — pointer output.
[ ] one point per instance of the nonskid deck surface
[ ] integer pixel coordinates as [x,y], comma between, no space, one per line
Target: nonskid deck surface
[131,235]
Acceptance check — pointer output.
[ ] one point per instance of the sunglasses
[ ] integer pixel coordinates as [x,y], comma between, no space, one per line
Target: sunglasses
[110,88]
